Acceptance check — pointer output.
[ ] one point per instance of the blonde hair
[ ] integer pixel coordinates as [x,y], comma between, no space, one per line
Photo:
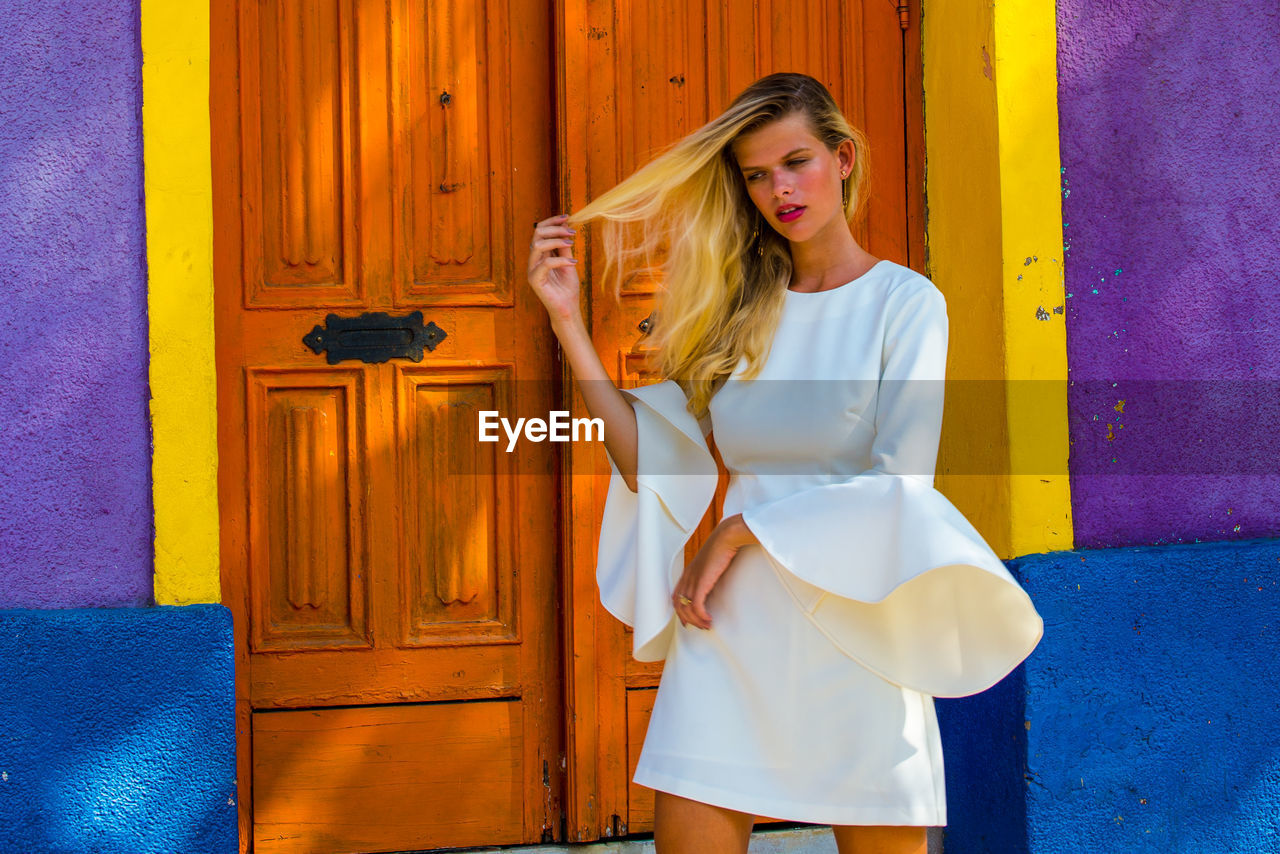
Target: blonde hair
[722,292]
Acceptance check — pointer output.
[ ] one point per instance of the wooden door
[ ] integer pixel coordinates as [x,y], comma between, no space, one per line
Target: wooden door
[393,580]
[636,76]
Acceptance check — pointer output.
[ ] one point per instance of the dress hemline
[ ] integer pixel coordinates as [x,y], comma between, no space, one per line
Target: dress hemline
[825,814]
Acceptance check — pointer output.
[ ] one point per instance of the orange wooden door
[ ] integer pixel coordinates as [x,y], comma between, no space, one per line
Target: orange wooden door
[635,77]
[393,580]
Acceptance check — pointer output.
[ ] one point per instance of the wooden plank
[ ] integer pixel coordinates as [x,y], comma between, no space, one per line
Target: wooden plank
[640,798]
[573,31]
[913,81]
[386,778]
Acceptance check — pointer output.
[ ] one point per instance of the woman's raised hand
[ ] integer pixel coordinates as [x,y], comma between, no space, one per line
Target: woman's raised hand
[553,273]
[554,278]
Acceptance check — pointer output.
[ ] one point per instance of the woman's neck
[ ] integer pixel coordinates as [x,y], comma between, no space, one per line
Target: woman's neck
[830,259]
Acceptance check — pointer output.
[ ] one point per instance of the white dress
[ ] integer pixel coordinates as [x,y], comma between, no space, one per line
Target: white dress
[811,696]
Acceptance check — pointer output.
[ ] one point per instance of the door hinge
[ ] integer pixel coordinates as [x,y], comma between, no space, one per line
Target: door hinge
[904,15]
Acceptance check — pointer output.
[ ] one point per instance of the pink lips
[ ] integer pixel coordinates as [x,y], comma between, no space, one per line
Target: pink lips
[791,215]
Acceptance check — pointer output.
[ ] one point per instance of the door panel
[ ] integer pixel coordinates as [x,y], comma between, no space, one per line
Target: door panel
[378,778]
[307,476]
[454,152]
[457,579]
[393,580]
[299,79]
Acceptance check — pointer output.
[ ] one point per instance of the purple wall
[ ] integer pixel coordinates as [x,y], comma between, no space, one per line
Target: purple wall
[1168,116]
[75,496]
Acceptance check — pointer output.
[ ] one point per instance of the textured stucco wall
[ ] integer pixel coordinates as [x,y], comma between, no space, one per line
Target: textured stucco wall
[1152,714]
[984,745]
[1168,115]
[1143,723]
[75,505]
[118,732]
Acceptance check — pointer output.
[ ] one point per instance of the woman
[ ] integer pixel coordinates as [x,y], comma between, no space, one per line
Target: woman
[840,592]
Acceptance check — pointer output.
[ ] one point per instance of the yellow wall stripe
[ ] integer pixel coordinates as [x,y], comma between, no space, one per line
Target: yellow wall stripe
[1026,72]
[992,178]
[179,206]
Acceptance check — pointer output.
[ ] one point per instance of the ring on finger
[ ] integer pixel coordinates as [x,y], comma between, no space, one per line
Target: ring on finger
[685,600]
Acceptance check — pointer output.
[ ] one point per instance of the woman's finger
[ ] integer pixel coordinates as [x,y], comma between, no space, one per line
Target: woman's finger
[553,244]
[538,247]
[542,246]
[680,608]
[554,261]
[538,272]
[549,222]
[699,608]
[553,231]
[689,615]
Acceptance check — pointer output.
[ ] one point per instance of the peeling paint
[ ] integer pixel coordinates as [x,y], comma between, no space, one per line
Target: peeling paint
[986,64]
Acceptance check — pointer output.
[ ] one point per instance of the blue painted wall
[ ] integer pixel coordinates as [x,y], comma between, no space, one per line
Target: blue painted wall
[1148,714]
[984,742]
[118,731]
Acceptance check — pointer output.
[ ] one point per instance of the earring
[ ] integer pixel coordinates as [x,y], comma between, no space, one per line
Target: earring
[755,238]
[844,196]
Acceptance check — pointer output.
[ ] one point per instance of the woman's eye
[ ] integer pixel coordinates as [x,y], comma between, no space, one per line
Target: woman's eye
[795,162]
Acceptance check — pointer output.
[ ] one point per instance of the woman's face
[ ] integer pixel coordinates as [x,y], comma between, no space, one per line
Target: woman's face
[784,165]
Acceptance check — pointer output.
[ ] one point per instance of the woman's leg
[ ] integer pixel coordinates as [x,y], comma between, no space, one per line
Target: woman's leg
[887,839]
[684,826]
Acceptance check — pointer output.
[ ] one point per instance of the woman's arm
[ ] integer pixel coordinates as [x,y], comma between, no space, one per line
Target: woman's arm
[602,397]
[554,278]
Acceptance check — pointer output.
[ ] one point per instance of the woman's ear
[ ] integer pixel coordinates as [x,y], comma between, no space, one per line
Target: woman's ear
[848,154]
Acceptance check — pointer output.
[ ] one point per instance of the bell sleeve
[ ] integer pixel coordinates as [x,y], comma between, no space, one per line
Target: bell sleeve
[640,556]
[883,563]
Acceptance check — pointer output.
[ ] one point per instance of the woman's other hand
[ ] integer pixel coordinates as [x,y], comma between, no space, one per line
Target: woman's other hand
[553,273]
[702,573]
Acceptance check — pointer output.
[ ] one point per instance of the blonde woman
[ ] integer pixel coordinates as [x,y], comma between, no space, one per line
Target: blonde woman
[840,592]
